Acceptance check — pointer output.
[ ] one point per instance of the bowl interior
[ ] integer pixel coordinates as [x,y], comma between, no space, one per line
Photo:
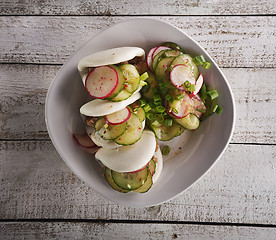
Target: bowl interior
[67,94]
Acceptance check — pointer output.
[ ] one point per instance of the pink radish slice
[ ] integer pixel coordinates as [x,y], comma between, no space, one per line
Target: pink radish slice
[159,49]
[179,75]
[118,117]
[150,57]
[84,140]
[197,104]
[101,82]
[198,85]
[183,107]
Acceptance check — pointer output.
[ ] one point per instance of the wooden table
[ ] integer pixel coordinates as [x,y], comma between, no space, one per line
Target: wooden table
[39,195]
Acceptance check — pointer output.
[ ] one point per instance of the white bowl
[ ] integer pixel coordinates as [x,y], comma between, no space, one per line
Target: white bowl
[67,94]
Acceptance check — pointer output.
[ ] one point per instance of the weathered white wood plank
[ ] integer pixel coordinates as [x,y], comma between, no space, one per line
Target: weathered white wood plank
[23,90]
[75,230]
[144,7]
[36,183]
[231,41]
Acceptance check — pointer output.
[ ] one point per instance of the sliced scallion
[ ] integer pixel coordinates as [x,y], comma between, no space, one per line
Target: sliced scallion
[160,109]
[165,150]
[206,65]
[213,94]
[199,60]
[142,102]
[150,116]
[144,76]
[219,110]
[167,122]
[179,96]
[147,107]
[200,110]
[159,118]
[156,98]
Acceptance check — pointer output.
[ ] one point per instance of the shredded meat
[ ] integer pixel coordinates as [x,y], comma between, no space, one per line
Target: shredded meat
[140,64]
[90,121]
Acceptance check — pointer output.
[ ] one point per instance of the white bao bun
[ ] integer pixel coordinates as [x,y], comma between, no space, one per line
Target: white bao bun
[108,57]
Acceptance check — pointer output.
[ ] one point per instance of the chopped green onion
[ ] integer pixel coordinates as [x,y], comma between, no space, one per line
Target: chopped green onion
[147,107]
[156,98]
[174,110]
[150,116]
[159,103]
[165,150]
[203,92]
[215,108]
[167,122]
[192,88]
[179,96]
[142,102]
[199,60]
[219,109]
[200,110]
[156,124]
[144,76]
[213,94]
[206,65]
[187,84]
[168,97]
[159,118]
[160,109]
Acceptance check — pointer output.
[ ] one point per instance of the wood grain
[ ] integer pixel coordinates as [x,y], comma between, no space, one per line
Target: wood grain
[23,91]
[231,41]
[88,230]
[131,7]
[36,183]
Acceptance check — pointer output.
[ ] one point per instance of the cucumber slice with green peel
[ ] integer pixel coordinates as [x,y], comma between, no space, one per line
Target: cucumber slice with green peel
[146,186]
[108,131]
[130,181]
[186,60]
[133,132]
[171,53]
[123,95]
[190,122]
[166,133]
[132,77]
[152,166]
[152,83]
[121,82]
[157,58]
[174,46]
[140,112]
[162,67]
[109,179]
[181,129]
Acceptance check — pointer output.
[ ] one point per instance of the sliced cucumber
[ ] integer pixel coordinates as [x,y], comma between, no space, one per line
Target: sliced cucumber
[109,179]
[161,69]
[210,106]
[108,131]
[140,112]
[133,131]
[123,95]
[132,77]
[173,46]
[190,122]
[172,53]
[187,60]
[166,133]
[152,166]
[130,181]
[157,58]
[121,82]
[146,186]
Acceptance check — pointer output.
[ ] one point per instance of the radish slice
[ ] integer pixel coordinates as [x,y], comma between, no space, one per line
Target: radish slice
[179,75]
[182,107]
[86,144]
[102,81]
[150,57]
[159,49]
[118,117]
[198,85]
[197,105]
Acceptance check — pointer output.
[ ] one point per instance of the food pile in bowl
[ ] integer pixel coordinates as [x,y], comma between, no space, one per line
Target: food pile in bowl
[138,101]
